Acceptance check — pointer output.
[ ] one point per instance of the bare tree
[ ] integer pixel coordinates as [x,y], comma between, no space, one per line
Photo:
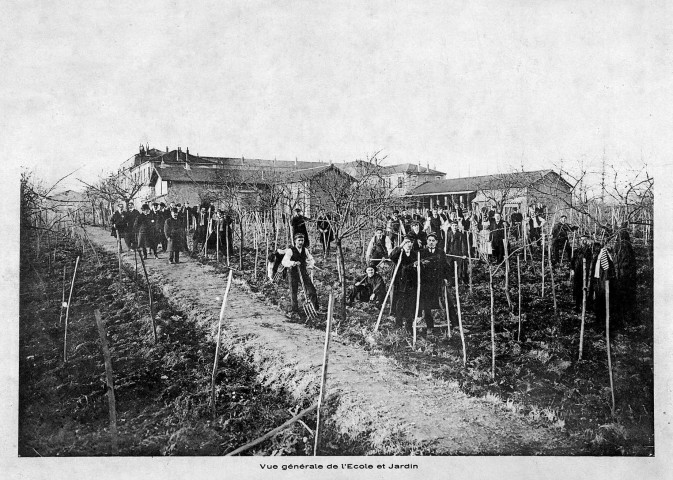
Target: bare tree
[353,204]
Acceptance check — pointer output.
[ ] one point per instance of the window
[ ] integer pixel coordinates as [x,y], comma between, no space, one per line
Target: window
[438,177]
[400,182]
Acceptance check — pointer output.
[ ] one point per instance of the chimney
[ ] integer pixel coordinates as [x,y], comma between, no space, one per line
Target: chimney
[427,166]
[295,161]
[187,151]
[166,149]
[242,159]
[418,166]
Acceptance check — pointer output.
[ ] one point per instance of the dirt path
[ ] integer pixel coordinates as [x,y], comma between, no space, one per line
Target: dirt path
[376,394]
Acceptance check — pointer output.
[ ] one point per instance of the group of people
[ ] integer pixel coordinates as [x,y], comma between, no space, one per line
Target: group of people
[165,226]
[436,247]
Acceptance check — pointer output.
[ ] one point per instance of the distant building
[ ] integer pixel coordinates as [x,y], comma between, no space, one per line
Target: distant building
[398,179]
[178,176]
[505,191]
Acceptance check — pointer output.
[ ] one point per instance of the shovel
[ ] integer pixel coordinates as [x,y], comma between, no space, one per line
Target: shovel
[309,309]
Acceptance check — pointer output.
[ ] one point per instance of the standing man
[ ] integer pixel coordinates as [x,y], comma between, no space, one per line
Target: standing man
[516,220]
[299,226]
[434,272]
[583,252]
[625,275]
[458,249]
[497,228]
[602,269]
[395,228]
[175,235]
[130,216]
[325,233]
[535,223]
[119,224]
[418,237]
[298,260]
[143,227]
[404,299]
[379,248]
[559,235]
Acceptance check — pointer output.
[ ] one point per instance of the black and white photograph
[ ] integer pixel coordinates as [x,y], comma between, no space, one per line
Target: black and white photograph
[302,239]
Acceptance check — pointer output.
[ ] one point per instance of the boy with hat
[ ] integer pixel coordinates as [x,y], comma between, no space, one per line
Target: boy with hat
[434,272]
[174,231]
[299,226]
[379,247]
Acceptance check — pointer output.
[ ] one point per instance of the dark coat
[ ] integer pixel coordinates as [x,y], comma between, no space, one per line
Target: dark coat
[325,233]
[299,226]
[144,229]
[405,281]
[174,230]
[434,270]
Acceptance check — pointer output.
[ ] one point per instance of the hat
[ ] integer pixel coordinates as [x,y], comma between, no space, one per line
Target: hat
[453,222]
[297,209]
[395,211]
[433,235]
[162,204]
[299,234]
[145,207]
[415,222]
[379,227]
[409,238]
[372,265]
[174,210]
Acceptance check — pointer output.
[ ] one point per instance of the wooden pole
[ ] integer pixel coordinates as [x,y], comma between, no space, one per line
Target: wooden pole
[418,294]
[448,318]
[507,296]
[149,291]
[460,316]
[323,378]
[543,268]
[256,245]
[390,288]
[217,343]
[469,259]
[584,303]
[490,287]
[607,341]
[273,432]
[109,375]
[63,304]
[551,276]
[119,257]
[67,313]
[518,276]
[218,223]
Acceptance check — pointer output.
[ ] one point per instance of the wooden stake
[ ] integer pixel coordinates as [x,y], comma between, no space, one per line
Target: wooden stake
[543,269]
[551,276]
[607,341]
[109,375]
[217,343]
[149,291]
[63,304]
[518,276]
[460,316]
[509,299]
[584,303]
[490,287]
[273,432]
[418,294]
[323,378]
[390,288]
[119,257]
[67,313]
[256,245]
[448,318]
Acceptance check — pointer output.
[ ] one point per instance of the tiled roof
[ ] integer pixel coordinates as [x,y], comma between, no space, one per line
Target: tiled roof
[472,184]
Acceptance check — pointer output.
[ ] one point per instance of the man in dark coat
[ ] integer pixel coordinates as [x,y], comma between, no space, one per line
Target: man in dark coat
[516,220]
[625,276]
[497,228]
[119,225]
[174,230]
[560,240]
[299,225]
[418,237]
[325,233]
[583,255]
[370,289]
[160,216]
[458,249]
[395,228]
[144,229]
[404,293]
[297,261]
[434,273]
[130,216]
[602,269]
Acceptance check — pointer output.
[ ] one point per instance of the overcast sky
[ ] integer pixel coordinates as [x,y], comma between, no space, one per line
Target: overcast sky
[469,87]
